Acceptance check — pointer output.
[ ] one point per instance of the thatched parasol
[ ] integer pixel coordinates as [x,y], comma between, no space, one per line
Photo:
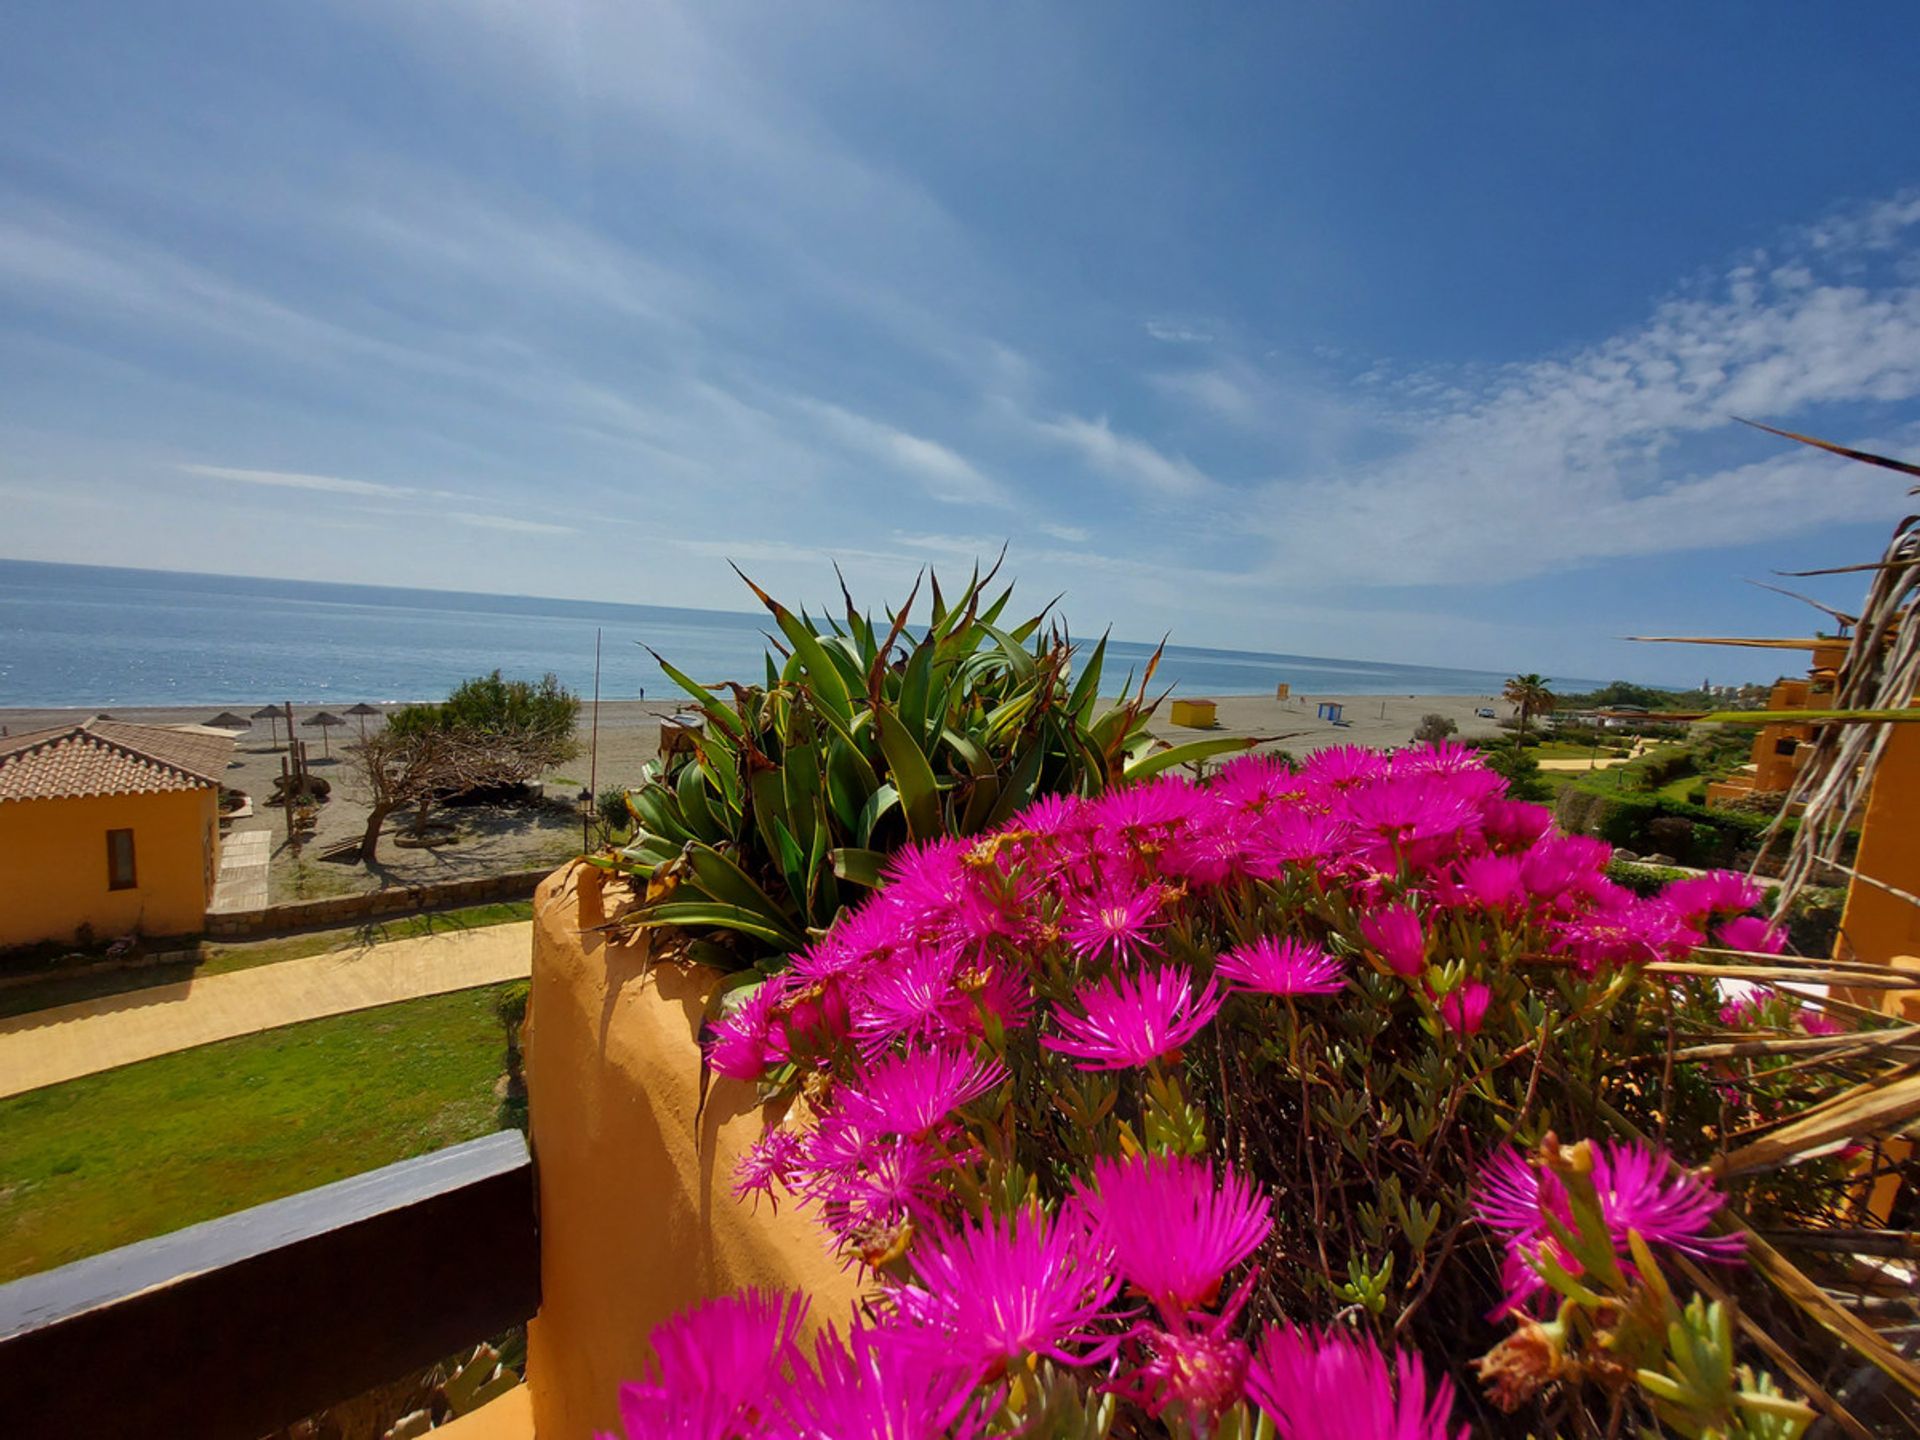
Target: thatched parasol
[270,714]
[326,720]
[363,710]
[227,720]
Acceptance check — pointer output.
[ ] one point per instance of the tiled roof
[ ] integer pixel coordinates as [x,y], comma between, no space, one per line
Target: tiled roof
[109,757]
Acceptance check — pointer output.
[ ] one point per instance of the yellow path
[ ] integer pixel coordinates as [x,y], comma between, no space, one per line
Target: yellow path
[49,1046]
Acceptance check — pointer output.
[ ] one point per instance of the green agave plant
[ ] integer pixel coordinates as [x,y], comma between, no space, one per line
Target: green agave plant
[864,739]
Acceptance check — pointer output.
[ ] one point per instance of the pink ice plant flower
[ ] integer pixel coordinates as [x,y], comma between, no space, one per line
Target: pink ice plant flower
[1640,1188]
[1398,937]
[992,1292]
[1116,921]
[1323,1385]
[1465,1007]
[1750,933]
[1718,892]
[912,1093]
[745,1044]
[771,1160]
[1271,966]
[877,1386]
[1200,1365]
[719,1371]
[1172,1232]
[1133,1018]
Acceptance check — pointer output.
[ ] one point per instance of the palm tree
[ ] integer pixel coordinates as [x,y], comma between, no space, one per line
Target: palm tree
[1529,695]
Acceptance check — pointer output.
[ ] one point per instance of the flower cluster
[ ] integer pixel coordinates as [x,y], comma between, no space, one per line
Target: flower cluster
[1061,975]
[1638,1191]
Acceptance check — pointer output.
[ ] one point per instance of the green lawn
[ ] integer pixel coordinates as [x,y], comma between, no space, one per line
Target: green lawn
[218,957]
[135,1152]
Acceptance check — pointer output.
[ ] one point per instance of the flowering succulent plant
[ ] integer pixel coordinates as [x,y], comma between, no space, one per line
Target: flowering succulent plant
[1175,1107]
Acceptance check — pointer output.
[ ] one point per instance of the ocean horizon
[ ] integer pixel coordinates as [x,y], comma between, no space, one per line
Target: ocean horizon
[74,636]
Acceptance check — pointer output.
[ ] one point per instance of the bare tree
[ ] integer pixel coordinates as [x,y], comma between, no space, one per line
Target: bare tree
[401,767]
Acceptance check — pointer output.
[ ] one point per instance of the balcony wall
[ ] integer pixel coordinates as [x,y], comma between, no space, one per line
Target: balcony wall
[636,1216]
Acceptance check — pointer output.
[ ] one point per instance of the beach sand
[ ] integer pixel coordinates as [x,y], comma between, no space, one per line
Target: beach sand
[501,838]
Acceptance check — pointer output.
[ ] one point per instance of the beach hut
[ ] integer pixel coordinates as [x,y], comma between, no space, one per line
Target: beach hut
[326,720]
[1330,711]
[227,720]
[270,714]
[362,711]
[1195,714]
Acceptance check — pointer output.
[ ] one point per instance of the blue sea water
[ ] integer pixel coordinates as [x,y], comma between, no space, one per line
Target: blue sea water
[79,635]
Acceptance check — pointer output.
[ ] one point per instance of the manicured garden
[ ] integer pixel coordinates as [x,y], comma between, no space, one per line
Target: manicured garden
[131,1153]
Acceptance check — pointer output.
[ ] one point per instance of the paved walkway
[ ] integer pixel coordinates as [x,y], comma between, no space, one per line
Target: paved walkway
[242,884]
[49,1046]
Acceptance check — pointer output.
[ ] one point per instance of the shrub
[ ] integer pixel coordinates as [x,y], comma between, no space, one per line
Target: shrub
[610,809]
[1433,727]
[862,740]
[1513,764]
[1269,1053]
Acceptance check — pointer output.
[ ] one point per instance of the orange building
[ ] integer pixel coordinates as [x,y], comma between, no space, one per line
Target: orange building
[1777,753]
[108,829]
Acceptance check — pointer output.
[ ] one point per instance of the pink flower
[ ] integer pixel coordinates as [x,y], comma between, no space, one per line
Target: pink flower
[1639,1187]
[1115,922]
[1281,967]
[914,997]
[868,1190]
[1172,1233]
[1491,881]
[1342,767]
[1465,1008]
[1256,782]
[751,1040]
[771,1160]
[1293,836]
[878,1386]
[1562,863]
[1718,892]
[1328,1386]
[993,1292]
[1398,938]
[1201,1366]
[1513,824]
[1750,933]
[1131,1019]
[912,1093]
[1818,1022]
[720,1370]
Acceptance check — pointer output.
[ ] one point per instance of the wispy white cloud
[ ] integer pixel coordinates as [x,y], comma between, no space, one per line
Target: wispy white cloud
[1126,458]
[1178,332]
[1609,451]
[296,480]
[944,474]
[509,523]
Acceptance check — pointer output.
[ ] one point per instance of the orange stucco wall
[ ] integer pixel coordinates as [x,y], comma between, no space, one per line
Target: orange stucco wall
[636,1218]
[1876,926]
[53,865]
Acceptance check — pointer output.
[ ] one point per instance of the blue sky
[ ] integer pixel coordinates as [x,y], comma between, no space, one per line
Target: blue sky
[1393,331]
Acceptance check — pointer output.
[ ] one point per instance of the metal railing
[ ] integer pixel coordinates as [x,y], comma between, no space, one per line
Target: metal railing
[242,1325]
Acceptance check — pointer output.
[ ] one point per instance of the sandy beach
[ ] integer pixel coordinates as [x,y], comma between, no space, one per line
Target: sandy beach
[517,837]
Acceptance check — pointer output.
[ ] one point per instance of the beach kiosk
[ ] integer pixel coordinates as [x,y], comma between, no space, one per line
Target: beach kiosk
[1194,714]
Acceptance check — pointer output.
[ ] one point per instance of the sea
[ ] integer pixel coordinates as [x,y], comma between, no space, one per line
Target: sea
[92,636]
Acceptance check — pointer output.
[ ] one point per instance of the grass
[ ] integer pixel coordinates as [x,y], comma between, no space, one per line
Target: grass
[219,958]
[131,1153]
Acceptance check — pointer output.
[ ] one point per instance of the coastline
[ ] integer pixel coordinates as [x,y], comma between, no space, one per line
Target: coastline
[630,729]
